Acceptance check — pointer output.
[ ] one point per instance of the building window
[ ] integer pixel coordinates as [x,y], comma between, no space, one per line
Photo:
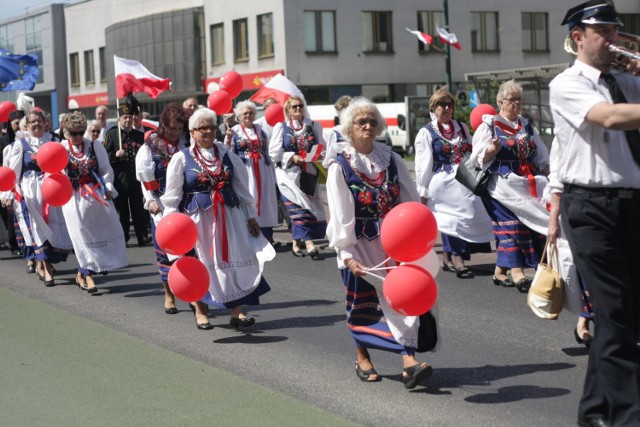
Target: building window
[240,40]
[535,37]
[6,38]
[265,35]
[216,31]
[89,69]
[631,22]
[428,21]
[320,31]
[484,31]
[103,64]
[33,36]
[377,32]
[74,69]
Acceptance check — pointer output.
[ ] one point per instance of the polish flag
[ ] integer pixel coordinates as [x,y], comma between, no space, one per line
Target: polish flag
[423,37]
[314,154]
[132,76]
[280,88]
[448,38]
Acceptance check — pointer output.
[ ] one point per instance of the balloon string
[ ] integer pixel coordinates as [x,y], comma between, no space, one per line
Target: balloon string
[375,275]
[382,263]
[382,268]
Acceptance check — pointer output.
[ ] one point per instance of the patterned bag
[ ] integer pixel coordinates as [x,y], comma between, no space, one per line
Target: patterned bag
[545,296]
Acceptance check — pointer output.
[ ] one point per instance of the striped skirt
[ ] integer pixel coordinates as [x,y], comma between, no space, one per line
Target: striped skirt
[304,225]
[462,248]
[365,318]
[517,246]
[161,257]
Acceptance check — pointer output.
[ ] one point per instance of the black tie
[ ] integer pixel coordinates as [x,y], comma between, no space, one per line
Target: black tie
[633,136]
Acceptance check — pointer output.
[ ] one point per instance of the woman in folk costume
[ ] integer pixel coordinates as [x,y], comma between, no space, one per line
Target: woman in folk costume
[151,170]
[250,143]
[292,148]
[209,183]
[364,183]
[463,222]
[511,149]
[91,217]
[42,226]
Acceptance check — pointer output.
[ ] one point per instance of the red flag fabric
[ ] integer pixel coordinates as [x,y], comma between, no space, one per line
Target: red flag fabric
[132,76]
[280,88]
[423,37]
[448,38]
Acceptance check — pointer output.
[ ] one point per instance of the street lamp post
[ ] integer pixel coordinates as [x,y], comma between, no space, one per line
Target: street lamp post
[447,47]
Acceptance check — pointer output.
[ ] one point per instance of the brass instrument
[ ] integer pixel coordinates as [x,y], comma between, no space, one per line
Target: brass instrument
[627,47]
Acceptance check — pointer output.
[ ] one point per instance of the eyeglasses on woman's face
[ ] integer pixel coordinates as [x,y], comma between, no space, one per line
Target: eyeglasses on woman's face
[363,122]
[444,104]
[36,122]
[73,133]
[205,128]
[297,106]
[514,99]
[92,131]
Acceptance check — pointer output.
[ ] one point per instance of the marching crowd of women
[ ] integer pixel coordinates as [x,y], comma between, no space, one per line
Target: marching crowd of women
[230,189]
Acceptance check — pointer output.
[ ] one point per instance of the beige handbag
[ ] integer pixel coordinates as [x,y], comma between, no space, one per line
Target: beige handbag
[545,297]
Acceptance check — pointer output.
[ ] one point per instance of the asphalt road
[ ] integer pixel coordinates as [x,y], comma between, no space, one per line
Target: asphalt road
[498,364]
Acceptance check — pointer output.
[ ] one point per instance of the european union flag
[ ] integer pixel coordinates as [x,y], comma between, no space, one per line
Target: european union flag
[18,72]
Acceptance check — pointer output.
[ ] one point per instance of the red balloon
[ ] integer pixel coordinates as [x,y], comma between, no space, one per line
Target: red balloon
[408,231]
[56,189]
[52,157]
[189,279]
[176,233]
[231,83]
[7,178]
[220,102]
[476,114]
[274,114]
[6,108]
[410,290]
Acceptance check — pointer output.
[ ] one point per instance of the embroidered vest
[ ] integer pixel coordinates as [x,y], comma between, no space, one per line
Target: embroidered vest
[246,148]
[373,198]
[296,143]
[517,149]
[83,171]
[161,160]
[198,186]
[444,152]
[29,164]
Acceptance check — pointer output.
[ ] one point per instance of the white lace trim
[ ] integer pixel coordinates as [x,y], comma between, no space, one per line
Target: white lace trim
[369,164]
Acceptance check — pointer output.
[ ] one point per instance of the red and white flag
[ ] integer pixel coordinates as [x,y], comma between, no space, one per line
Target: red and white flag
[448,38]
[132,76]
[280,88]
[423,37]
[314,154]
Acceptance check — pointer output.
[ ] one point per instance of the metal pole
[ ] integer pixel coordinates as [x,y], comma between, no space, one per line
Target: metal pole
[447,47]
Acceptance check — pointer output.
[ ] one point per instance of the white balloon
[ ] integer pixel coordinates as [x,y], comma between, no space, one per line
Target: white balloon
[429,262]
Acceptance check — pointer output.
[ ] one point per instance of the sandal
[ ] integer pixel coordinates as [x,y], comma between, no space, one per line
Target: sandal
[449,268]
[366,375]
[464,273]
[413,375]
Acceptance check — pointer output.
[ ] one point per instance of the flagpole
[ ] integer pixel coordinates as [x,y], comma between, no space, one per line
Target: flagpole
[118,119]
[447,47]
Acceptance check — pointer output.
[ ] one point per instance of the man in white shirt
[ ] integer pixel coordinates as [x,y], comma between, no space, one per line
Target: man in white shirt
[599,171]
[102,114]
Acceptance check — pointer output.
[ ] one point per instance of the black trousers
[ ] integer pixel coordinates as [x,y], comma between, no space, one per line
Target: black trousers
[604,235]
[130,205]
[7,219]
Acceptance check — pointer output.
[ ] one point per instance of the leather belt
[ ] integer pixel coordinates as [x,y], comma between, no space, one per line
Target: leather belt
[613,192]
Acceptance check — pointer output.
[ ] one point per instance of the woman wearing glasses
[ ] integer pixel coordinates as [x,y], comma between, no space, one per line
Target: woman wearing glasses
[364,183]
[295,145]
[463,222]
[151,170]
[209,183]
[93,130]
[91,217]
[42,226]
[250,143]
[518,160]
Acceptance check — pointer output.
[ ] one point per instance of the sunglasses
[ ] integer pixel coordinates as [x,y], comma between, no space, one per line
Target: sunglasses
[363,122]
[295,107]
[445,104]
[205,128]
[72,133]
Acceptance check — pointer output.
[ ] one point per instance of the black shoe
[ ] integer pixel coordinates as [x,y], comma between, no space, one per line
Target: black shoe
[314,254]
[31,269]
[595,421]
[523,285]
[464,272]
[416,374]
[144,241]
[298,254]
[449,268]
[365,375]
[579,340]
[49,283]
[92,290]
[172,310]
[204,326]
[245,322]
[508,283]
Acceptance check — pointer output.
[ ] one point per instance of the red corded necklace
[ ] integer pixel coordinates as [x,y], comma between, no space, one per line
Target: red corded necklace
[210,167]
[448,134]
[295,128]
[254,143]
[79,154]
